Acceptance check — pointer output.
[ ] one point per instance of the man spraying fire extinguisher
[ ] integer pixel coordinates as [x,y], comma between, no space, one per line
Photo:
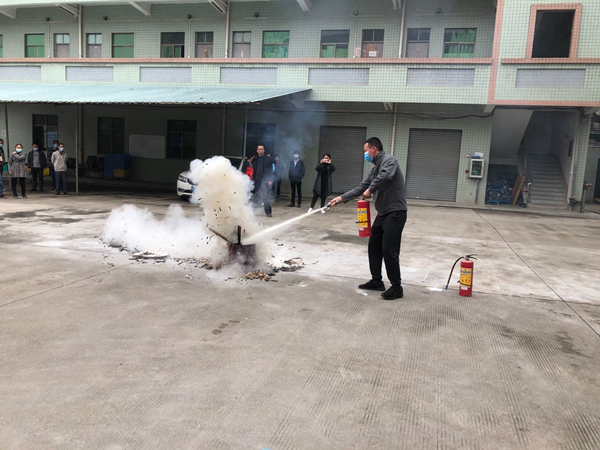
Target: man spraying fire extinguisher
[386,184]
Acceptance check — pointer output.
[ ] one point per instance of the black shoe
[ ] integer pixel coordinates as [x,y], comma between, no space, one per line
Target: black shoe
[57,193]
[393,293]
[33,190]
[299,205]
[66,193]
[269,215]
[291,205]
[24,196]
[372,286]
[16,197]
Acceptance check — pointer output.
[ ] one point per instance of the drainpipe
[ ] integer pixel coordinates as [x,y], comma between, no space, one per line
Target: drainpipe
[80,31]
[402,22]
[394,129]
[77,146]
[574,161]
[227,24]
[245,132]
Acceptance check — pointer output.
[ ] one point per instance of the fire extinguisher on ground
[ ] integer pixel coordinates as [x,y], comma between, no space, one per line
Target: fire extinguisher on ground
[363,209]
[466,275]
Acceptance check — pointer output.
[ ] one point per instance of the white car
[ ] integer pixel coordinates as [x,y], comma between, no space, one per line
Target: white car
[185,187]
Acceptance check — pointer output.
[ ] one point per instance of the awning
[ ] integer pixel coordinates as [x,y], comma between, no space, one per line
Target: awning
[135,94]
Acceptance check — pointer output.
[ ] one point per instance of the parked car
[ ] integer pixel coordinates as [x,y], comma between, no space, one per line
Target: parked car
[185,187]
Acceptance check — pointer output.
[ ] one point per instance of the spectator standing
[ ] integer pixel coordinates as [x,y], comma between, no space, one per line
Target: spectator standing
[296,174]
[2,161]
[36,160]
[247,168]
[279,168]
[323,185]
[17,170]
[59,160]
[49,154]
[263,178]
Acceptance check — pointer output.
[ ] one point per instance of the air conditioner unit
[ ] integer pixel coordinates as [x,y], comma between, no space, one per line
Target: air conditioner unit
[219,5]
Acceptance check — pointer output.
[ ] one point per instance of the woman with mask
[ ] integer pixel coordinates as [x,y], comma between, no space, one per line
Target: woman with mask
[17,170]
[59,160]
[323,185]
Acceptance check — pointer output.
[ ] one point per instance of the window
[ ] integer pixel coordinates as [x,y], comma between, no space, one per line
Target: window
[181,139]
[204,45]
[334,43]
[260,134]
[276,44]
[61,45]
[172,45]
[45,130]
[94,46]
[34,46]
[417,45]
[1,46]
[459,42]
[122,45]
[241,44]
[111,135]
[372,45]
[553,34]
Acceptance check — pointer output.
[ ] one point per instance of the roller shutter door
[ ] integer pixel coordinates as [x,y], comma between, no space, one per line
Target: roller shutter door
[344,144]
[433,158]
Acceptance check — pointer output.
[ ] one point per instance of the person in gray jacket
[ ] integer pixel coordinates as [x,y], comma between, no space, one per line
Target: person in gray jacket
[17,170]
[59,161]
[386,184]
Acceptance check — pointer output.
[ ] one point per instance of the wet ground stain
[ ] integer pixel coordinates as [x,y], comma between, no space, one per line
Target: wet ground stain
[336,236]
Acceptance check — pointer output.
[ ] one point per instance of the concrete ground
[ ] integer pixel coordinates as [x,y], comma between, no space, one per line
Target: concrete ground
[101,352]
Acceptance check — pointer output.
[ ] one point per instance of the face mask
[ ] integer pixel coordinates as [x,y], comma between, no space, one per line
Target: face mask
[35,149]
[368,158]
[276,159]
[296,156]
[55,145]
[18,150]
[61,149]
[1,145]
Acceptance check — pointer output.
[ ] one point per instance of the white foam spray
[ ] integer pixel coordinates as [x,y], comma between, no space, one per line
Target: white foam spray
[224,195]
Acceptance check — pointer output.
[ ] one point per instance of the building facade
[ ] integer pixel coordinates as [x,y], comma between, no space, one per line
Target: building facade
[515,82]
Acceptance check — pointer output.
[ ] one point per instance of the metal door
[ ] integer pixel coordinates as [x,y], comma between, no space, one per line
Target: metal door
[433,159]
[345,145]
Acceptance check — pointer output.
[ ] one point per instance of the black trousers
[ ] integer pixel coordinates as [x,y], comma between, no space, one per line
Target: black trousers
[52,176]
[278,187]
[61,181]
[37,174]
[384,244]
[262,195]
[314,200]
[296,186]
[13,182]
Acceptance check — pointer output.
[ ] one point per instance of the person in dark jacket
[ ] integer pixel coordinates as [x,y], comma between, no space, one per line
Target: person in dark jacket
[323,184]
[2,161]
[247,168]
[17,170]
[36,160]
[278,174]
[296,174]
[386,184]
[49,159]
[263,179]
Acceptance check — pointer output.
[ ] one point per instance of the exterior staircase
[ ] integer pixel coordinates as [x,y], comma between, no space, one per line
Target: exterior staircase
[548,188]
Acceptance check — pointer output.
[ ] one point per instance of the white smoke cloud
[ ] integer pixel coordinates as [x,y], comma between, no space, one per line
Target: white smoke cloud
[222,192]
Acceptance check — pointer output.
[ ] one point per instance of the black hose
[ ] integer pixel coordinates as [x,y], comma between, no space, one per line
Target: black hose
[452,270]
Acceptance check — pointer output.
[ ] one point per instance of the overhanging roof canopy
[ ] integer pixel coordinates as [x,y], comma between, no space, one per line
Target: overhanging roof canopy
[137,94]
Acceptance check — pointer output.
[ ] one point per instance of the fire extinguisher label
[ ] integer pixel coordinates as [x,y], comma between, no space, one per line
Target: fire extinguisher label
[466,276]
[362,217]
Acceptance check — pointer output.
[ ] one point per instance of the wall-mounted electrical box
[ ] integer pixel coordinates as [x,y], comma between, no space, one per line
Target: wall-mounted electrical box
[476,168]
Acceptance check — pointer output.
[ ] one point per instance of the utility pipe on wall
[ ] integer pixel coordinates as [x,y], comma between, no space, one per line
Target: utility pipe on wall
[402,21]
[227,24]
[393,146]
[223,125]
[80,31]
[245,132]
[77,137]
[574,157]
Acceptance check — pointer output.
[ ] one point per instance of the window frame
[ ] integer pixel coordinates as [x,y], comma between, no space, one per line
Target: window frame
[173,46]
[112,129]
[44,128]
[419,40]
[87,43]
[43,47]
[113,46]
[206,43]
[56,43]
[277,45]
[574,31]
[335,46]
[249,43]
[182,133]
[474,43]
[363,43]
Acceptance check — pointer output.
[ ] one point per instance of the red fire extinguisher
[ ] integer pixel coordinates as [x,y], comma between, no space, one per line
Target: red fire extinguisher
[466,275]
[364,218]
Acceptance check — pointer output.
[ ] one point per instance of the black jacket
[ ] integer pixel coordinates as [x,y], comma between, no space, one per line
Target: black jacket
[43,159]
[263,170]
[325,171]
[296,171]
